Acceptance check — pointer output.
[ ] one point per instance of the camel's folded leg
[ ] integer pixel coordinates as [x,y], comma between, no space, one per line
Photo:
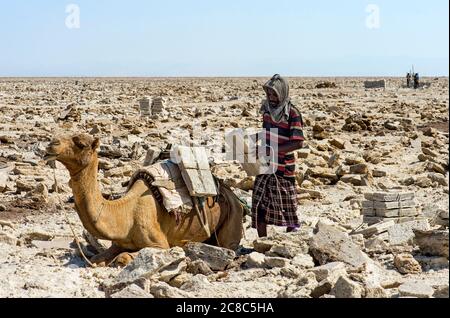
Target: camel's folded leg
[125,258]
[106,257]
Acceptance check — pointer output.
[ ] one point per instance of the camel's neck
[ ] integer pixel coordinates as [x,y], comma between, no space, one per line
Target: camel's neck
[102,218]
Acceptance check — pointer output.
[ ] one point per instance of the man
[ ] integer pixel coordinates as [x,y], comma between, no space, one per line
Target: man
[274,199]
[416,81]
[408,80]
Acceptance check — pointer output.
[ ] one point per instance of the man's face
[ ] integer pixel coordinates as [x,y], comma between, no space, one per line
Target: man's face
[273,97]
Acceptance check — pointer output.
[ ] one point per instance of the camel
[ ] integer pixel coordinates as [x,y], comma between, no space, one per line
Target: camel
[137,220]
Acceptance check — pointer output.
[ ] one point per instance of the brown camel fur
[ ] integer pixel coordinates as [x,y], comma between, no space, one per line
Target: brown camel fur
[137,220]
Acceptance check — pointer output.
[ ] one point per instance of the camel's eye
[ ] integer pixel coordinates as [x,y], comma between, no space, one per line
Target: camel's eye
[79,143]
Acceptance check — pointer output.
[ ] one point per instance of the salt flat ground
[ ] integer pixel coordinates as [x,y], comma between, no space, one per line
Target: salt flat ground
[385,129]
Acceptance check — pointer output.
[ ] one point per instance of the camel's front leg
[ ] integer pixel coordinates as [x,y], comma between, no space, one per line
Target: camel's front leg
[106,257]
[125,258]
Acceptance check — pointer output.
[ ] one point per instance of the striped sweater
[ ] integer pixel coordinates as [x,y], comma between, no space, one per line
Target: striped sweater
[286,131]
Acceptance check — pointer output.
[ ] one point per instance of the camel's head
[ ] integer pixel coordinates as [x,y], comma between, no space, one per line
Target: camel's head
[74,152]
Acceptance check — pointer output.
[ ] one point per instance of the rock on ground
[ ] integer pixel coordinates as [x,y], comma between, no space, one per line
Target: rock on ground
[331,271]
[331,244]
[217,258]
[406,264]
[416,289]
[346,288]
[432,242]
[403,233]
[165,264]
[132,291]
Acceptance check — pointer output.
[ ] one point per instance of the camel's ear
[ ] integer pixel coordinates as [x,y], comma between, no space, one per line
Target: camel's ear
[79,143]
[96,144]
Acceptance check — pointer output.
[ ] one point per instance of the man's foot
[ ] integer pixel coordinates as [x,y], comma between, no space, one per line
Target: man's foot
[292,229]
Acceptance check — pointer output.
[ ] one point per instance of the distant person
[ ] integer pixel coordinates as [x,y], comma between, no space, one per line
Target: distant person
[416,81]
[408,80]
[274,199]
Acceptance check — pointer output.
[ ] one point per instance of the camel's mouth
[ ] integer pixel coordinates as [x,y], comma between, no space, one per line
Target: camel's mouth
[50,157]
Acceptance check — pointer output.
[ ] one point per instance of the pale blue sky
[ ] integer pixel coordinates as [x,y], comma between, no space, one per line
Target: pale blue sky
[223,38]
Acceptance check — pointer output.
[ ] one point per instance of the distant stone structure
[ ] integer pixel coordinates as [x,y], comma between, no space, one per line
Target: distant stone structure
[157,106]
[151,107]
[144,106]
[375,84]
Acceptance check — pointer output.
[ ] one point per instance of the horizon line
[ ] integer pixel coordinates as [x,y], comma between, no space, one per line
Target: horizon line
[220,76]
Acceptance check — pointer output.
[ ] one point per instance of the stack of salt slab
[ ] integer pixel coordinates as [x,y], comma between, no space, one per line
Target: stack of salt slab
[144,106]
[151,107]
[375,84]
[195,170]
[157,106]
[395,206]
